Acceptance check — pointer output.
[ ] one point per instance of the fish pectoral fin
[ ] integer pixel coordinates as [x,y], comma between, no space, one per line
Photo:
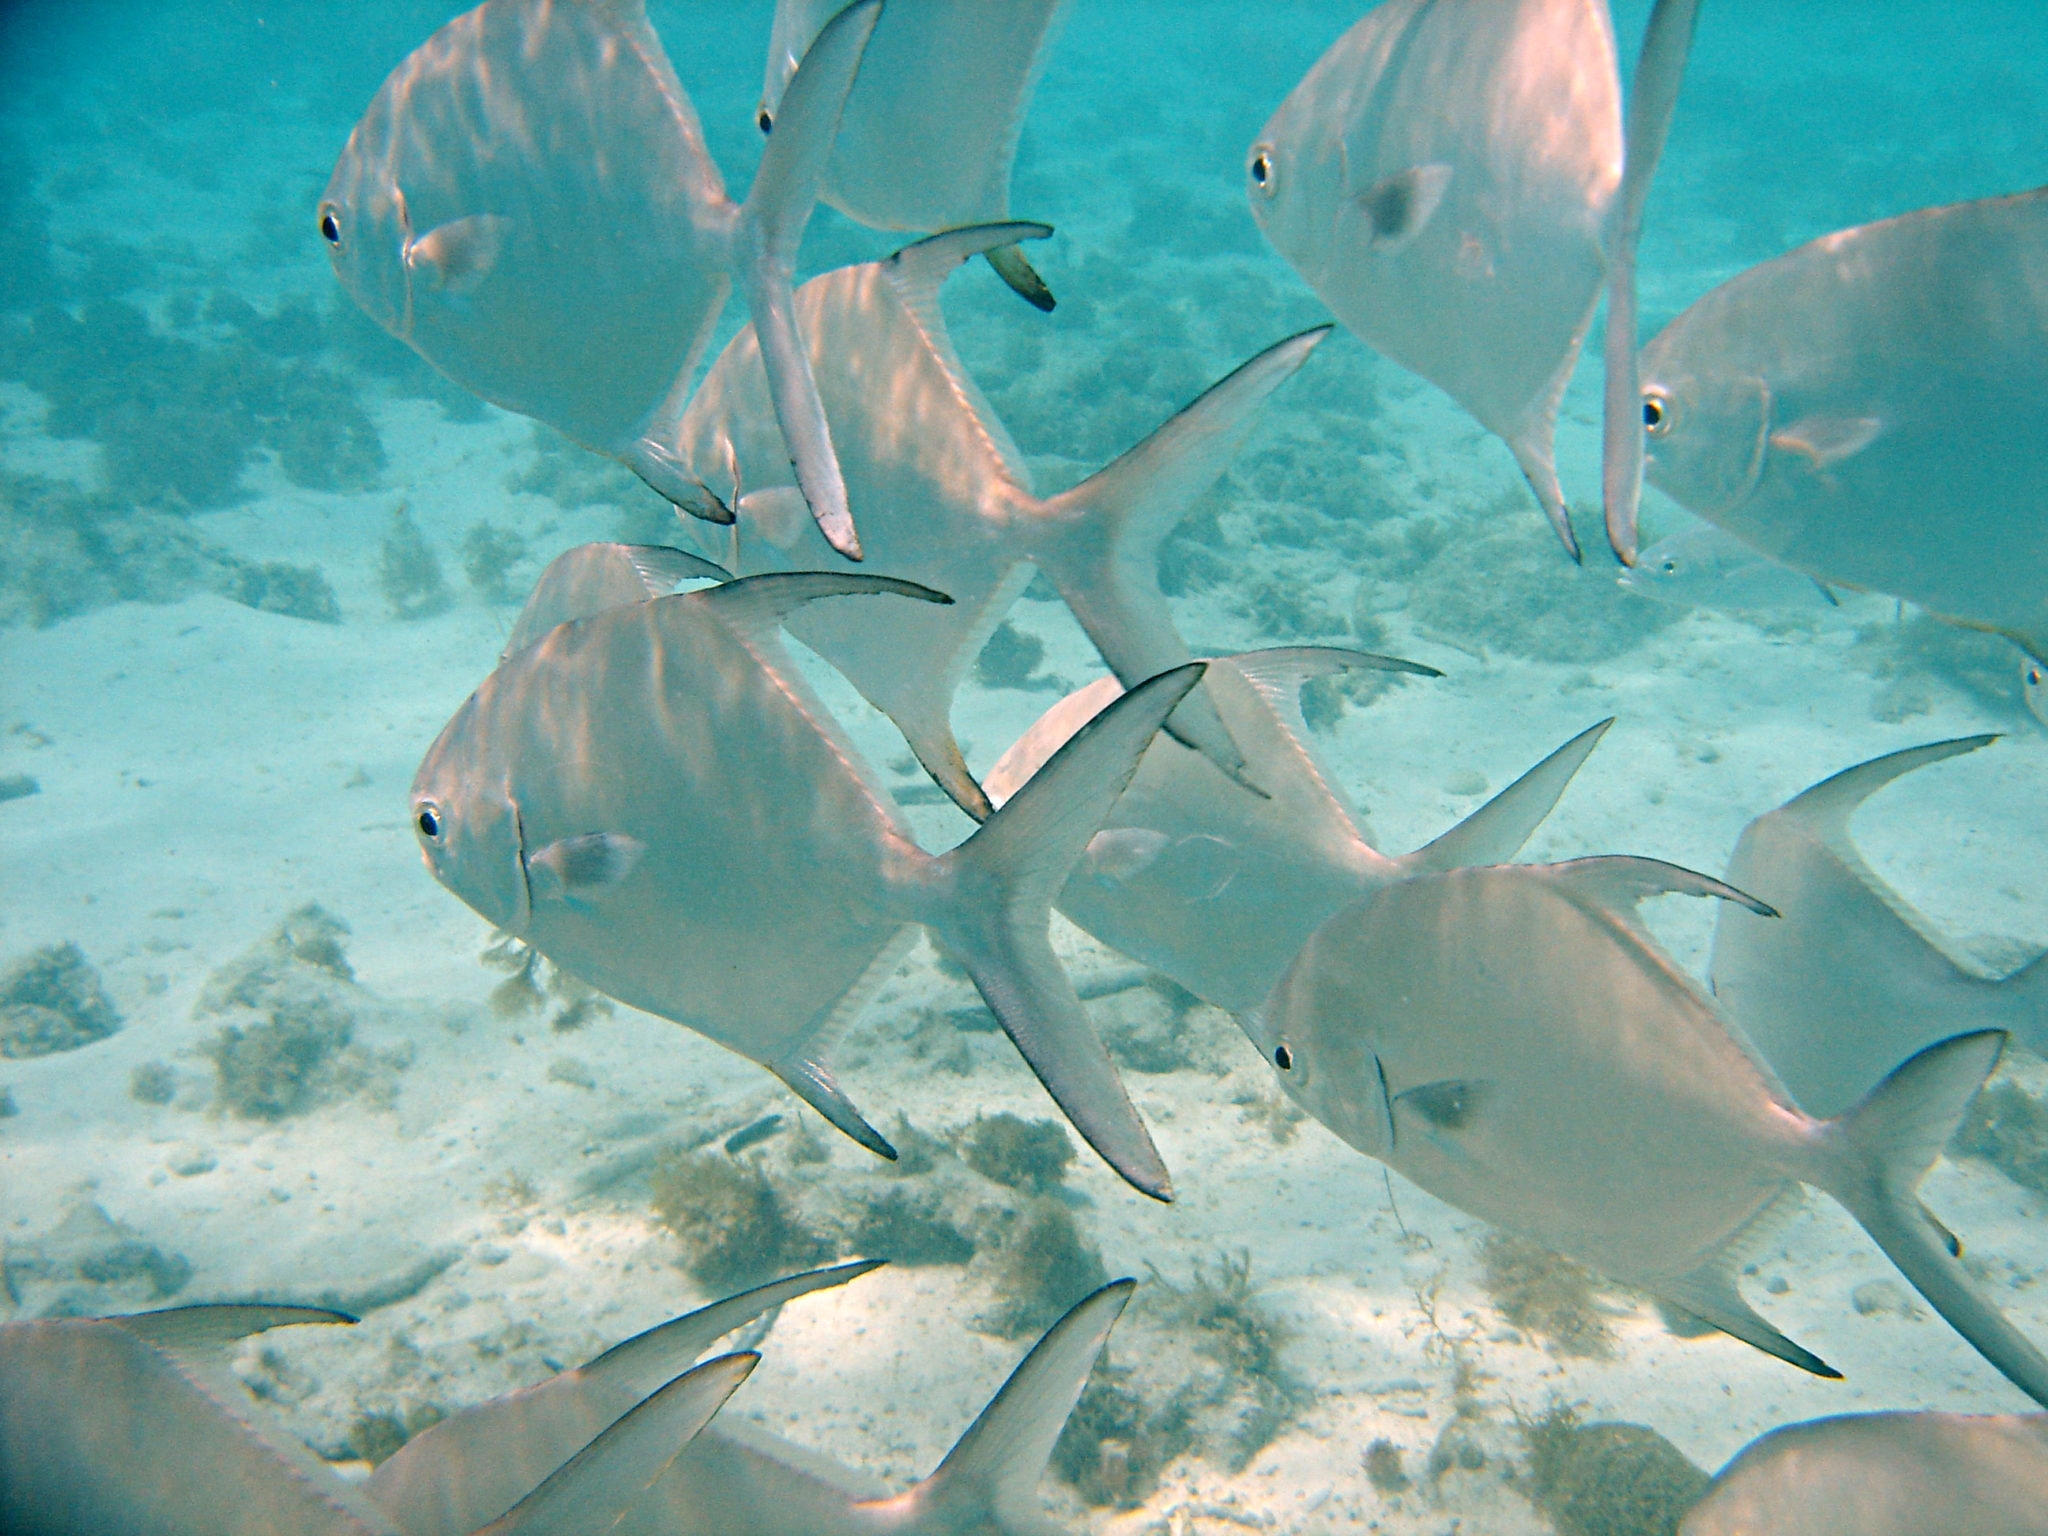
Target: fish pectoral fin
[779,514]
[1825,441]
[456,257]
[1399,207]
[1709,1294]
[810,1081]
[570,868]
[1448,1105]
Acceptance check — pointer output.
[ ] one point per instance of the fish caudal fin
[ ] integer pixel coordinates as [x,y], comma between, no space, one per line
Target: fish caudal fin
[1653,97]
[995,894]
[989,1480]
[1495,832]
[1099,543]
[771,224]
[1023,278]
[1874,1158]
[601,1482]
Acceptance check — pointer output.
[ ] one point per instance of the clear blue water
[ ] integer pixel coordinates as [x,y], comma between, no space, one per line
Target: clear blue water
[219,697]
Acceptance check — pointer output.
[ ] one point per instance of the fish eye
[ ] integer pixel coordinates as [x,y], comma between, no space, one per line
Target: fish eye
[1656,412]
[765,121]
[1283,1058]
[1262,170]
[1669,567]
[330,227]
[428,820]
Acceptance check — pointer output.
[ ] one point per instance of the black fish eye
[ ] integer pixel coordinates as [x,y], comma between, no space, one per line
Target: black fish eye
[1656,419]
[765,121]
[429,823]
[1283,1058]
[1262,168]
[330,227]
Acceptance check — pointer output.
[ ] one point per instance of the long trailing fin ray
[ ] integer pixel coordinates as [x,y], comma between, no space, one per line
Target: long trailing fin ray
[810,1080]
[1099,541]
[1709,1294]
[601,1482]
[1828,805]
[1495,832]
[1015,269]
[1660,69]
[997,890]
[1618,881]
[994,1469]
[201,1332]
[1872,1160]
[468,1469]
[771,223]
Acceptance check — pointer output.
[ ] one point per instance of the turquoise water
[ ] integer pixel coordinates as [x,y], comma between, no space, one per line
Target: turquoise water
[224,654]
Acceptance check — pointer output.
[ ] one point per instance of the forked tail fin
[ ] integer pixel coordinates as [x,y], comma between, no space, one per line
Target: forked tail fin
[989,1480]
[1099,543]
[1874,1158]
[771,223]
[991,901]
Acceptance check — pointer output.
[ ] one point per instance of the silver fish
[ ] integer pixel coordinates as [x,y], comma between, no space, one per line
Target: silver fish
[529,204]
[1442,178]
[1706,567]
[135,1424]
[946,499]
[1829,408]
[930,129]
[1217,888]
[1851,980]
[651,797]
[737,1479]
[1512,1040]
[1884,1474]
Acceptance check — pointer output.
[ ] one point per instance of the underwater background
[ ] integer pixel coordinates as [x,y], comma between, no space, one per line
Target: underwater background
[253,553]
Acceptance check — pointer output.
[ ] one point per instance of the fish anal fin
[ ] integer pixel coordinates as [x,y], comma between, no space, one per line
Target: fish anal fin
[1399,207]
[1825,441]
[1709,1294]
[989,1480]
[754,605]
[1010,265]
[674,481]
[1495,832]
[807,1077]
[811,1082]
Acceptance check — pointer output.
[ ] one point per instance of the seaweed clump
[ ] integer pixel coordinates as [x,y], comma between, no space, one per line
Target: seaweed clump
[1030,1155]
[1546,1294]
[488,555]
[1044,1266]
[2008,1128]
[1234,1329]
[736,1228]
[910,1230]
[293,1004]
[1011,659]
[1114,1447]
[1608,1479]
[408,570]
[51,1001]
[89,1265]
[275,586]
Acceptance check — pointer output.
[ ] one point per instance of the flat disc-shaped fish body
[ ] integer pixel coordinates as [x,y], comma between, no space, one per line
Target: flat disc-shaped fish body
[1850,980]
[946,499]
[929,131]
[743,885]
[102,1430]
[1884,1474]
[1708,567]
[1442,179]
[529,204]
[1870,409]
[652,797]
[1218,888]
[1517,1048]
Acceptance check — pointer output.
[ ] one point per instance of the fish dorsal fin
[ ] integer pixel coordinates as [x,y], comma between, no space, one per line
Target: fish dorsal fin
[1495,832]
[204,1332]
[1825,809]
[1278,675]
[771,225]
[1099,541]
[601,1482]
[989,1480]
[1825,441]
[917,273]
[1616,882]
[595,577]
[474,1465]
[1709,1293]
[754,607]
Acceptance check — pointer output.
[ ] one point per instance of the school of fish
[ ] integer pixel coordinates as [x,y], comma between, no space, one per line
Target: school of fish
[648,792]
